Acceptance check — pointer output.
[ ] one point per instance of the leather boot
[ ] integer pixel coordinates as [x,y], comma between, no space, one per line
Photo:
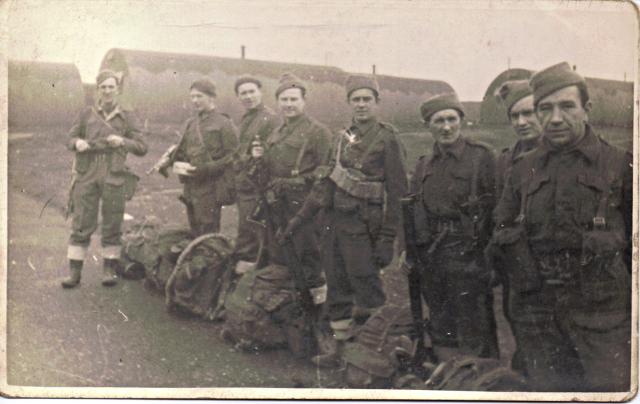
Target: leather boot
[109,277]
[333,359]
[73,280]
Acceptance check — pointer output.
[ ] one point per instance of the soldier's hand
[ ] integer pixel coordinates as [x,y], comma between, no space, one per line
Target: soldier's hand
[283,235]
[82,145]
[115,140]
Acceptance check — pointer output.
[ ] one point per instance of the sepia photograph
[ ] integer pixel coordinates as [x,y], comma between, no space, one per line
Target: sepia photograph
[319,199]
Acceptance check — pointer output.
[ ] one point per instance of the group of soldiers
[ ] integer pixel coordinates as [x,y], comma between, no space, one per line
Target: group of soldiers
[549,218]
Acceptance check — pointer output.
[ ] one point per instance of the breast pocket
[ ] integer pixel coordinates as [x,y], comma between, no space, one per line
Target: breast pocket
[460,185]
[539,199]
[212,137]
[590,190]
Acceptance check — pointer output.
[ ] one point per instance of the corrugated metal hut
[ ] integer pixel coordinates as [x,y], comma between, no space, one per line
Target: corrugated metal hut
[612,100]
[157,86]
[43,94]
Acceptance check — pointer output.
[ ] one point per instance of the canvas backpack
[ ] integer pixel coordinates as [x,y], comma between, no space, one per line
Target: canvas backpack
[196,281]
[372,359]
[150,251]
[264,312]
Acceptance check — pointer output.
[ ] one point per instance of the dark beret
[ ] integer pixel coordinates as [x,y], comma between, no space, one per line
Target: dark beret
[246,79]
[356,82]
[204,85]
[440,102]
[107,74]
[554,78]
[513,91]
[290,80]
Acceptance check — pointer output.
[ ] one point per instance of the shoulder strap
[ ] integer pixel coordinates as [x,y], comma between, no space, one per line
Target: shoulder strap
[475,165]
[296,169]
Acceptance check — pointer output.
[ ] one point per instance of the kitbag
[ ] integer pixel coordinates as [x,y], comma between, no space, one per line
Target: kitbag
[264,312]
[150,252]
[472,373]
[197,278]
[373,359]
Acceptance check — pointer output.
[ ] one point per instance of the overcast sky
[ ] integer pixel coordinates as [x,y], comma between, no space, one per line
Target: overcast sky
[465,43]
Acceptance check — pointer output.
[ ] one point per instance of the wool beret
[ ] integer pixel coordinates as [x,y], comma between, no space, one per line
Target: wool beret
[356,82]
[513,91]
[107,74]
[440,102]
[246,79]
[204,85]
[290,80]
[554,78]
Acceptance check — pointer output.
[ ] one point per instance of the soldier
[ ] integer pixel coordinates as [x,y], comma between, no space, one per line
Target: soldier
[455,194]
[205,152]
[569,204]
[517,97]
[101,137]
[256,125]
[293,152]
[360,192]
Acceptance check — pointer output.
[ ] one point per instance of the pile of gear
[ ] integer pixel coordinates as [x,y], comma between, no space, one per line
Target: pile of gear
[262,310]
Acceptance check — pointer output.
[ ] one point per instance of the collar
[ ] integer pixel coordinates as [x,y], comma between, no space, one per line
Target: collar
[205,114]
[108,116]
[454,150]
[588,146]
[294,123]
[362,129]
[255,110]
[519,149]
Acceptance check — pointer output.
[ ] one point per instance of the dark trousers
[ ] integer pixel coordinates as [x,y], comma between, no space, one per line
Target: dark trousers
[352,276]
[576,336]
[204,216]
[249,234]
[460,301]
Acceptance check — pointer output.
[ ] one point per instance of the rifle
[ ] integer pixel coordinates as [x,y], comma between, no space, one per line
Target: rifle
[269,213]
[414,266]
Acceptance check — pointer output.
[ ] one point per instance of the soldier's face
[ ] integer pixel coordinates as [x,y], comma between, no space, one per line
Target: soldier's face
[107,90]
[250,95]
[562,116]
[445,126]
[524,120]
[291,102]
[201,101]
[364,104]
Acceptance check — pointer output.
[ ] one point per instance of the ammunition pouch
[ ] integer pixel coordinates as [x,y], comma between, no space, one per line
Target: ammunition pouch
[509,249]
[355,183]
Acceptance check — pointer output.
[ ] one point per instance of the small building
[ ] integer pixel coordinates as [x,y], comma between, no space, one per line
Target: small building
[157,84]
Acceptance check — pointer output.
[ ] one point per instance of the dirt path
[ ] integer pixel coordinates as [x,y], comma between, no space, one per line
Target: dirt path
[123,336]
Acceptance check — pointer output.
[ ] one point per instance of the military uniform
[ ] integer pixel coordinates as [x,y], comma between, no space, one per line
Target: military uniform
[293,152]
[208,143]
[256,123]
[357,228]
[100,175]
[456,283]
[573,324]
[506,159]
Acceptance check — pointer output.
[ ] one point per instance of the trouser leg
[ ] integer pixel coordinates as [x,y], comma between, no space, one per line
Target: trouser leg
[204,216]
[249,234]
[307,249]
[113,204]
[86,200]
